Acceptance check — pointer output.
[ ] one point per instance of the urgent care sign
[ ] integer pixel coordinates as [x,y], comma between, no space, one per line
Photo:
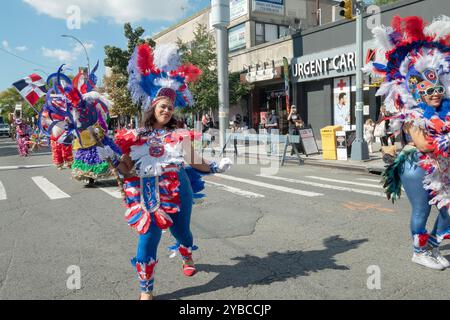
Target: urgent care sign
[333,63]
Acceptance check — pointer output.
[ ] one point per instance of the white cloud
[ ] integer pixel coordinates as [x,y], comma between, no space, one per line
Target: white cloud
[21,48]
[120,11]
[5,45]
[59,54]
[66,56]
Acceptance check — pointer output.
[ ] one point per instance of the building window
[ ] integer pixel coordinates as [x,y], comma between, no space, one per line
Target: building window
[271,32]
[284,31]
[259,33]
[236,37]
[265,32]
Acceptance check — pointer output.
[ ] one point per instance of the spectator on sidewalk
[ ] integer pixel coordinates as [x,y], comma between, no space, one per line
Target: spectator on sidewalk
[388,134]
[271,125]
[295,124]
[369,128]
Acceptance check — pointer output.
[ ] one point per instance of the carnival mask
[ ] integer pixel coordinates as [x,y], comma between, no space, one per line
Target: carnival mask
[424,84]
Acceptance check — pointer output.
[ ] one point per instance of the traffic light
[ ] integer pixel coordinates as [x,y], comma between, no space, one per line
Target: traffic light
[347,11]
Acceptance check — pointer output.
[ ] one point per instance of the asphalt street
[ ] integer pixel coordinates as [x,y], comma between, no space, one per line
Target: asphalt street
[298,232]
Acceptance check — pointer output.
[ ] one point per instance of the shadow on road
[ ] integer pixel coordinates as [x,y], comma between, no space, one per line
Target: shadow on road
[277,266]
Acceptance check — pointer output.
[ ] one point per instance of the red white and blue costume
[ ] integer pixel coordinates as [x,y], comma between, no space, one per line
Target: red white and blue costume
[161,192]
[414,60]
[75,116]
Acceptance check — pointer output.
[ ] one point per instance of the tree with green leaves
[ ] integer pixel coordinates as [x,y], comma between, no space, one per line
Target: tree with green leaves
[202,53]
[117,59]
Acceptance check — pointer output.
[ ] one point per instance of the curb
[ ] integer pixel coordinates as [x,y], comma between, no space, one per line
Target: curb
[321,163]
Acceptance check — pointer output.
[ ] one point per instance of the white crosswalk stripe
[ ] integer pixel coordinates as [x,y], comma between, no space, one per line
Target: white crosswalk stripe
[113,191]
[326,186]
[2,192]
[270,186]
[369,180]
[345,182]
[25,167]
[51,190]
[237,191]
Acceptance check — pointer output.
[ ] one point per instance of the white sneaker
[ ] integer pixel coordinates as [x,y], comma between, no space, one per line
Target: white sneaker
[426,259]
[440,258]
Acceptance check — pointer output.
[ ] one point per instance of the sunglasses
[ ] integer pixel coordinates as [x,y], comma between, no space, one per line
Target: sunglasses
[433,90]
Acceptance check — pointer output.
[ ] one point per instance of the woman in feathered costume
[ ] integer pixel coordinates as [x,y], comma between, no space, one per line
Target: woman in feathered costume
[23,133]
[414,60]
[159,187]
[71,116]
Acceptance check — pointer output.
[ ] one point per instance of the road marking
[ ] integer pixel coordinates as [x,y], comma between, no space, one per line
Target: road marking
[346,182]
[113,191]
[270,186]
[370,180]
[52,191]
[362,206]
[237,191]
[2,192]
[25,167]
[326,186]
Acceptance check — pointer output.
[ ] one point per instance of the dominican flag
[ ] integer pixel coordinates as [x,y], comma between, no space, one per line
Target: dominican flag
[31,88]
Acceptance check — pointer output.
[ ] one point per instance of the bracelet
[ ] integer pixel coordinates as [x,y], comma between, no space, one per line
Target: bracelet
[115,162]
[214,167]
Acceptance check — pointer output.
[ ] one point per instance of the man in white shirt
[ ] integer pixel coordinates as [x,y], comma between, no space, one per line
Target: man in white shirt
[342,112]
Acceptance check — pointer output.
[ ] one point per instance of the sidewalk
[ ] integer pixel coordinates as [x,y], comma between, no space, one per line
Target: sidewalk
[373,165]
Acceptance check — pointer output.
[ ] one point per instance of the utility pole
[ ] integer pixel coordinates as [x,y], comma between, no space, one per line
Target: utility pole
[220,19]
[360,150]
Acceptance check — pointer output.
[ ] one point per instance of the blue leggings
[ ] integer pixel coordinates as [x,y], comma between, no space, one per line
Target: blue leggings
[412,180]
[148,243]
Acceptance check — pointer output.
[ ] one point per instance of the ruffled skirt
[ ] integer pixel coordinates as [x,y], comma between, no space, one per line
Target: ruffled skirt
[88,164]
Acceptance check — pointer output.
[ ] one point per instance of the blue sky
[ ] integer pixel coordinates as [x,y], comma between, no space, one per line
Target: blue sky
[32,29]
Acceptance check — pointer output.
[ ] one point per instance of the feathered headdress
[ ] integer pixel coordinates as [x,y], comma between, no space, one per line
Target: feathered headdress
[67,111]
[412,58]
[158,73]
[86,82]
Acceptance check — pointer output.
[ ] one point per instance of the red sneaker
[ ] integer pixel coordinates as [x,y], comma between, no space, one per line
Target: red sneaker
[189,268]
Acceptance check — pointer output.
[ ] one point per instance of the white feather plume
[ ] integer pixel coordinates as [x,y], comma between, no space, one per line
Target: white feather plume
[439,28]
[167,83]
[166,57]
[382,39]
[404,66]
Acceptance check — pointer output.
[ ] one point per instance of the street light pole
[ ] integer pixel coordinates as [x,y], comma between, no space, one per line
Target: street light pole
[360,149]
[220,19]
[85,51]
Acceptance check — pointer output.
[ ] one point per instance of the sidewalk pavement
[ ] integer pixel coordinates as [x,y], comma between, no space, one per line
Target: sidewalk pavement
[373,165]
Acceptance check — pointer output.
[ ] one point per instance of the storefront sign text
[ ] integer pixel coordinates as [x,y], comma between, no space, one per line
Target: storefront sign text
[343,62]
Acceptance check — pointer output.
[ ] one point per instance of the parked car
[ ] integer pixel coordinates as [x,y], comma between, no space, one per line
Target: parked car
[4,129]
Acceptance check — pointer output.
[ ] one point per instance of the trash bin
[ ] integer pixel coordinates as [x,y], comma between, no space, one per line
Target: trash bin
[328,135]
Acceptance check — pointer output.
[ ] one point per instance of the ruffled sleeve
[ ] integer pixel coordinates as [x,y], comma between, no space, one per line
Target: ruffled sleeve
[125,139]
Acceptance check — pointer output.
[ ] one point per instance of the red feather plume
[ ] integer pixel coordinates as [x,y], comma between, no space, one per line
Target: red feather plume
[145,59]
[397,23]
[190,72]
[414,28]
